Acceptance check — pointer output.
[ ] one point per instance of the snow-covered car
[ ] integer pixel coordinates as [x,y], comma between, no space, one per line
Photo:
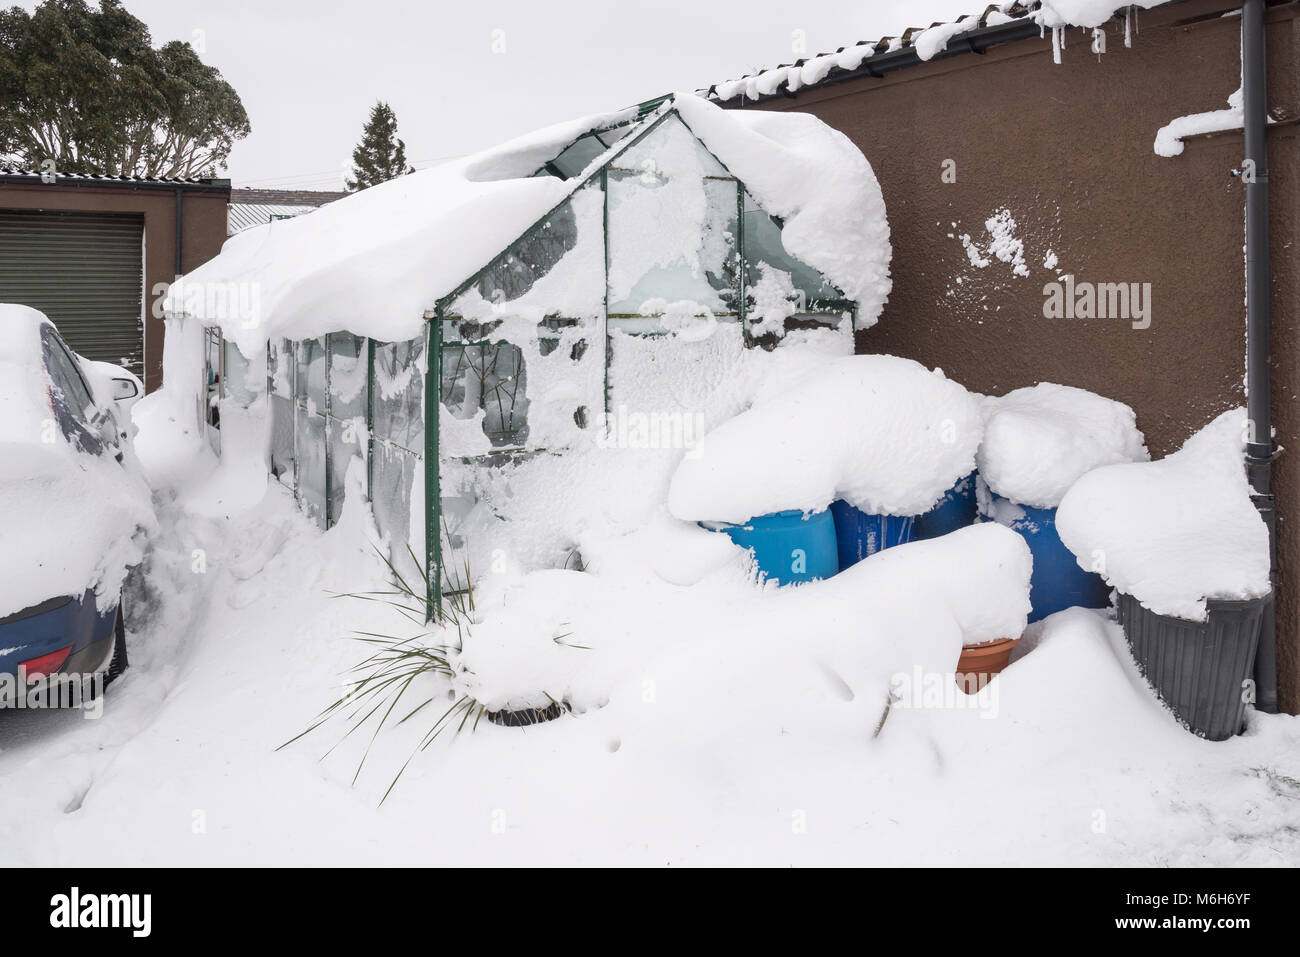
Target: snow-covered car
[75,509]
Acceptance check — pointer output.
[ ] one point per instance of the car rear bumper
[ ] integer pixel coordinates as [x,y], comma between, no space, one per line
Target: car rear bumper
[75,624]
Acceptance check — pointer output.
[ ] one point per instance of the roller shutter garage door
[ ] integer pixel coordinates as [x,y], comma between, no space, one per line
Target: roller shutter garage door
[84,271]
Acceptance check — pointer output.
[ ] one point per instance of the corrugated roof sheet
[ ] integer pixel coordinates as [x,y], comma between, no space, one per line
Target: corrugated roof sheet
[243,216]
[283,197]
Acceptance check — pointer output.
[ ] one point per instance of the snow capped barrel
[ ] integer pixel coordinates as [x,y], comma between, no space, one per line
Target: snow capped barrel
[1038,442]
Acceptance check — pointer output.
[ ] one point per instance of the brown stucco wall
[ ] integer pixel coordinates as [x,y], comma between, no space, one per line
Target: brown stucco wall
[1068,150]
[203,230]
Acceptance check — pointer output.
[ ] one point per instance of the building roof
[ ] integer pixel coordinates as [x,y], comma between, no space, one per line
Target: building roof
[17,174]
[241,216]
[257,207]
[283,197]
[998,23]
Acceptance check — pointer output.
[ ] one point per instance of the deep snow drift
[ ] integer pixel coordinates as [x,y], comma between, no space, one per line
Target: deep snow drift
[720,722]
[716,748]
[561,635]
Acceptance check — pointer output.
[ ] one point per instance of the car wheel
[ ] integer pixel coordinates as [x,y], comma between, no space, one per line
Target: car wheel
[119,662]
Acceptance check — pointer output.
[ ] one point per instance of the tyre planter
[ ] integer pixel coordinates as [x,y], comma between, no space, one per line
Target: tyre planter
[1198,668]
[526,717]
[982,662]
[1058,582]
[858,534]
[788,547]
[955,510]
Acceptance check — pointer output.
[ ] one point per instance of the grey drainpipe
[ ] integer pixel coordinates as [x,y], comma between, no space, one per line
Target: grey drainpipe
[1259,451]
[180,222]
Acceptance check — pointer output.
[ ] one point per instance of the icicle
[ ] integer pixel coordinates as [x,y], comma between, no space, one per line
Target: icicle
[1098,41]
[1057,43]
[1128,26]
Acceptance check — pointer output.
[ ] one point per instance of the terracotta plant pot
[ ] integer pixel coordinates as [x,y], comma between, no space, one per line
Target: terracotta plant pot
[979,664]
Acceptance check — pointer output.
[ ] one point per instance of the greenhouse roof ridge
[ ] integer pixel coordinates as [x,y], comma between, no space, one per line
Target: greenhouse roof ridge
[380,262]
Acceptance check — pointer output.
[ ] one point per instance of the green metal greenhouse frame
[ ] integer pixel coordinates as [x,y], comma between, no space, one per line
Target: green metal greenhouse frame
[434,348]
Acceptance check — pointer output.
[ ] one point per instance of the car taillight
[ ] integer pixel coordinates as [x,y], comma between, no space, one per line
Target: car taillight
[44,665]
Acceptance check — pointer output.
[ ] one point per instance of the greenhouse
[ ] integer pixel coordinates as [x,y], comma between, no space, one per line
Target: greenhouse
[483,350]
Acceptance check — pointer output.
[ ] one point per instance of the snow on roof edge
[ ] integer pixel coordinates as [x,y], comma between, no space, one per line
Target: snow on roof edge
[298,278]
[929,42]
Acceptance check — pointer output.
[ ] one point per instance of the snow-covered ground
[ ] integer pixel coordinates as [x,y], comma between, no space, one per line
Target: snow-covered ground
[727,741]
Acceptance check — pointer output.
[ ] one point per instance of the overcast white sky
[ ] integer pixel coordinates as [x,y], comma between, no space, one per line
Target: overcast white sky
[309,70]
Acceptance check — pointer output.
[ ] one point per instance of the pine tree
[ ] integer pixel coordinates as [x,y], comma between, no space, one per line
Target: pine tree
[380,156]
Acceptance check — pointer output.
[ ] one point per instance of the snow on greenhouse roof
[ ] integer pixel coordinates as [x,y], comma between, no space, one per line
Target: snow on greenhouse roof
[926,42]
[376,262]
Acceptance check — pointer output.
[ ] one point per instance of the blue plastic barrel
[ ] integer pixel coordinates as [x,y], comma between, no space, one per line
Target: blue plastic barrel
[858,534]
[1058,582]
[955,510]
[787,546]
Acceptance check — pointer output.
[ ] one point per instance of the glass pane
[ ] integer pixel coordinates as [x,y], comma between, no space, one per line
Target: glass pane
[239,389]
[532,258]
[460,388]
[310,380]
[281,413]
[280,364]
[309,456]
[347,378]
[465,543]
[505,398]
[345,445]
[778,286]
[578,156]
[672,229]
[393,477]
[557,270]
[399,393]
[487,377]
[212,375]
[670,149]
